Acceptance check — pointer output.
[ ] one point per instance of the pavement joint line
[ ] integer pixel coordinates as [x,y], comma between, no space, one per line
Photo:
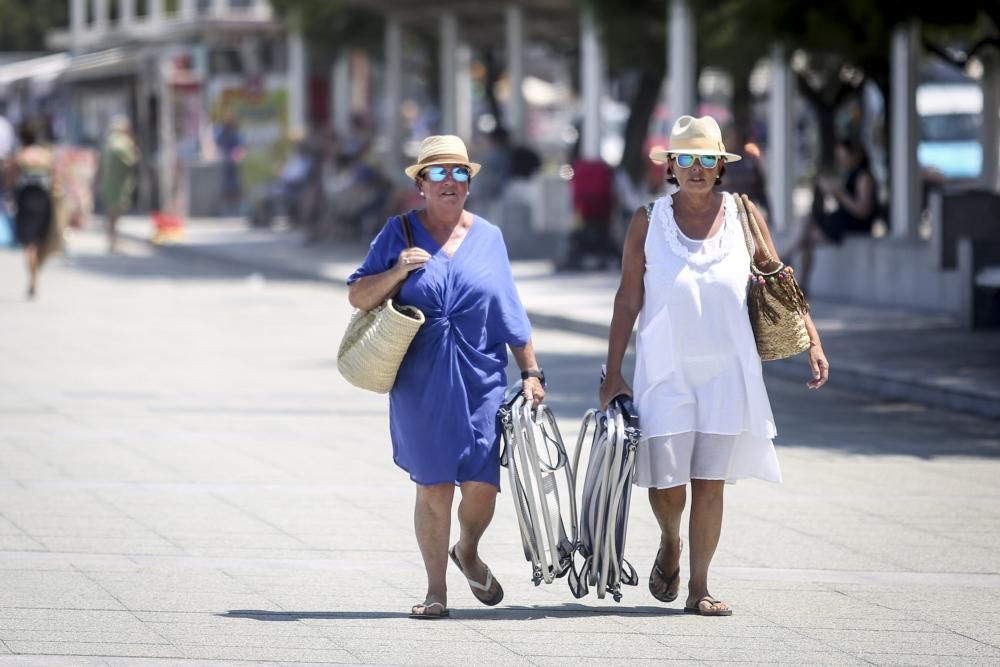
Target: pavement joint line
[858,577]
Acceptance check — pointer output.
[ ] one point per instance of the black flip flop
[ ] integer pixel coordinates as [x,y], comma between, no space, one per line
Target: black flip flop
[444,613]
[658,571]
[698,610]
[476,586]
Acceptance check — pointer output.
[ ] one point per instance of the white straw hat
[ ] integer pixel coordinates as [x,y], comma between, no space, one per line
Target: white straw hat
[694,136]
[441,149]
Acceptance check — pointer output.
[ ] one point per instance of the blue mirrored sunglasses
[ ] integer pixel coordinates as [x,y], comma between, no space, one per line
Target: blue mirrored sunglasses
[438,174]
[684,160]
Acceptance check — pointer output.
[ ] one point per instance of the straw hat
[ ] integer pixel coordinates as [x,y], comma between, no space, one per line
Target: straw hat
[441,149]
[694,136]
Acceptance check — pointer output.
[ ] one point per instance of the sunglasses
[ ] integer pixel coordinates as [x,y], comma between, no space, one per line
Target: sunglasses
[685,161]
[438,174]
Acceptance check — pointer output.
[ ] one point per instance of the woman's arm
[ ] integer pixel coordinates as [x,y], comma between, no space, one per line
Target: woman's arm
[628,303]
[534,391]
[368,292]
[10,176]
[862,203]
[817,358]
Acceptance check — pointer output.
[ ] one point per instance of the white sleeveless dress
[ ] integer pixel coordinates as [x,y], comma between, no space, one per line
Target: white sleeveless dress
[699,389]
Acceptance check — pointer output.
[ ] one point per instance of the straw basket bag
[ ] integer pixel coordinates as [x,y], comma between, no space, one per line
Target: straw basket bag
[776,304]
[376,341]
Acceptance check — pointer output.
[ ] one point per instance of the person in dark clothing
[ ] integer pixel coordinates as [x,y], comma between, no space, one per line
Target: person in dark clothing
[854,212]
[29,178]
[592,188]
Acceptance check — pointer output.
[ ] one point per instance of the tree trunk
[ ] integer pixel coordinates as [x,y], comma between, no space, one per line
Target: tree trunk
[637,128]
[492,75]
[742,105]
[827,136]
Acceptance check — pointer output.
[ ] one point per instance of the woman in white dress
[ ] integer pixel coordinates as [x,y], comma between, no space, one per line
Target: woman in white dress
[703,408]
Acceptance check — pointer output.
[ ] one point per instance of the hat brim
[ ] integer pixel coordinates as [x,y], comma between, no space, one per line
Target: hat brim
[662,156]
[414,169]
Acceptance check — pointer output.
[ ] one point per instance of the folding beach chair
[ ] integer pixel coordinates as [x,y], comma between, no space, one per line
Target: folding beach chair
[542,485]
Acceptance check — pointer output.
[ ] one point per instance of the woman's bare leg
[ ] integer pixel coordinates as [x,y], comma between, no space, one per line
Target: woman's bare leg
[432,523]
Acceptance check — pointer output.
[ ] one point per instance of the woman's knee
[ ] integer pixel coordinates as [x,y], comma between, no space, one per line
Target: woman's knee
[435,495]
[673,498]
[707,490]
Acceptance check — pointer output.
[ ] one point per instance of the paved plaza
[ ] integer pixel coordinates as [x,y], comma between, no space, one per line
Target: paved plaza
[186,479]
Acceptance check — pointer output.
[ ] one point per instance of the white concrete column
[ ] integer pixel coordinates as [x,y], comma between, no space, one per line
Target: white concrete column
[592,83]
[77,25]
[167,139]
[393,96]
[904,170]
[296,76]
[991,122]
[463,91]
[781,147]
[155,17]
[189,10]
[682,67]
[126,13]
[101,16]
[220,7]
[515,73]
[262,9]
[340,93]
[449,73]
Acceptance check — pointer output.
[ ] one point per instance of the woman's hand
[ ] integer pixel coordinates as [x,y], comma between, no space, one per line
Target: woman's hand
[819,365]
[411,259]
[613,385]
[533,391]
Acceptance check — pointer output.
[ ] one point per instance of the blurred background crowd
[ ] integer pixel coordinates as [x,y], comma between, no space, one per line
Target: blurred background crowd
[300,114]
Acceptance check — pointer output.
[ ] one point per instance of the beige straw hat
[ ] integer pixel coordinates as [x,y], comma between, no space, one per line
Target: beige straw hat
[441,149]
[694,136]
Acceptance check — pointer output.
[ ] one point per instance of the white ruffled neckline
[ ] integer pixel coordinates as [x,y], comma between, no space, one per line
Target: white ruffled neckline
[710,250]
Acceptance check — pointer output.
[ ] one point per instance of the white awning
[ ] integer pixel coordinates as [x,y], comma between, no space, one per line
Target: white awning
[39,72]
[103,64]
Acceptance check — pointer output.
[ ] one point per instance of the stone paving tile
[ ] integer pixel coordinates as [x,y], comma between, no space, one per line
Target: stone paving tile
[134,634]
[271,654]
[95,648]
[19,588]
[911,660]
[952,646]
[55,661]
[723,656]
[571,661]
[635,646]
[495,656]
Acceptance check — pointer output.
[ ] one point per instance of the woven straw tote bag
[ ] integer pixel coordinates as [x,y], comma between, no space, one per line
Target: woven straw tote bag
[775,302]
[376,341]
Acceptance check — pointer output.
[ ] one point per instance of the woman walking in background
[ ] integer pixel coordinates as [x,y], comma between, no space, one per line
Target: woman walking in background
[118,161]
[29,178]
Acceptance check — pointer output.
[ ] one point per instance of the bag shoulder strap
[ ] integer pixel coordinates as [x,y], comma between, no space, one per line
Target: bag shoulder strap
[407,231]
[751,231]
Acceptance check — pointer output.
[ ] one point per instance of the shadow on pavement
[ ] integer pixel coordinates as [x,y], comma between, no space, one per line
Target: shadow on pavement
[830,419]
[518,613]
[131,267]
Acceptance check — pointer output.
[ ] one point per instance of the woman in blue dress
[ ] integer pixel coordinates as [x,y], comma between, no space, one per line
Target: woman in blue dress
[442,409]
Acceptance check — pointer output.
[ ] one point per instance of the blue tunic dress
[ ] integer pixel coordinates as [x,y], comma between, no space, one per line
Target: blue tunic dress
[442,409]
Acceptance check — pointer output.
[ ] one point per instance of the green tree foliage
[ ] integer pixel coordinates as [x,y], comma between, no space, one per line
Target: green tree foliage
[332,25]
[634,36]
[23,23]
